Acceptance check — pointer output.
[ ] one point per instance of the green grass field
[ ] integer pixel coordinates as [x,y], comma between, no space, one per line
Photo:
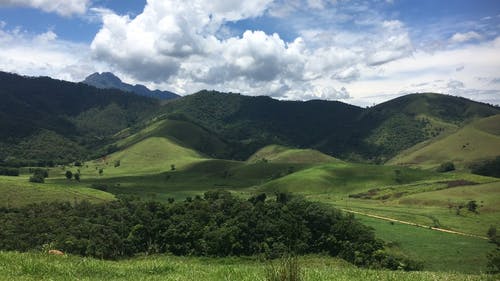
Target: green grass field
[37,266]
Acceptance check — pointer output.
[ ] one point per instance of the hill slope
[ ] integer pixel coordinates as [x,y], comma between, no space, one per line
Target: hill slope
[477,141]
[72,112]
[282,154]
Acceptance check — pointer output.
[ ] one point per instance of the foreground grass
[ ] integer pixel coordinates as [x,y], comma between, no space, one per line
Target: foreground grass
[35,266]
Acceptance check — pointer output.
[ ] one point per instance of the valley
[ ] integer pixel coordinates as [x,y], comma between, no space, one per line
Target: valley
[215,141]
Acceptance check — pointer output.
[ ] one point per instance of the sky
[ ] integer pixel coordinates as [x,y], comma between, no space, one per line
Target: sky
[356,51]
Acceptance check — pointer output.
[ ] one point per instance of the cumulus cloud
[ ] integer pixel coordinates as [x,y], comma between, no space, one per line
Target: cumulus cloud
[465,37]
[186,46]
[44,54]
[62,7]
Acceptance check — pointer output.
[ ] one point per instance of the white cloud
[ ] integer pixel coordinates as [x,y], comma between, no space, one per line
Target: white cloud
[44,54]
[62,7]
[465,37]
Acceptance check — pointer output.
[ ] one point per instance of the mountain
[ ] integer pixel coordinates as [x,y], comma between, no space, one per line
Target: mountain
[47,119]
[38,112]
[338,129]
[108,80]
[247,123]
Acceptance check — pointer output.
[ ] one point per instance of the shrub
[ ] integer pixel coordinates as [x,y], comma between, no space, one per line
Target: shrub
[37,179]
[68,175]
[446,167]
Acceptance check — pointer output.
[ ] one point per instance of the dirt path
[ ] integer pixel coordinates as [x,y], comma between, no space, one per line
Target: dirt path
[415,224]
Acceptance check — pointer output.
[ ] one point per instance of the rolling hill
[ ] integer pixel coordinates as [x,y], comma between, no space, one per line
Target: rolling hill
[282,154]
[475,142]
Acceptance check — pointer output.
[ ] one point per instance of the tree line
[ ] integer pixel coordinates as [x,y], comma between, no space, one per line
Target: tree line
[217,224]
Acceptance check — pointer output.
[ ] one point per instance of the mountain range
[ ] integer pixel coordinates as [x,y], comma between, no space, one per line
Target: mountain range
[38,113]
[107,80]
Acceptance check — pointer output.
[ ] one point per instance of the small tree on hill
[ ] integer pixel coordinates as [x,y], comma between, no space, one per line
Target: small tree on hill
[172,167]
[446,167]
[69,175]
[472,206]
[77,176]
[101,171]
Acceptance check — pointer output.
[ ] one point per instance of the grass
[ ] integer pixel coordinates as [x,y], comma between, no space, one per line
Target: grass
[18,191]
[437,250]
[474,142]
[282,154]
[36,266]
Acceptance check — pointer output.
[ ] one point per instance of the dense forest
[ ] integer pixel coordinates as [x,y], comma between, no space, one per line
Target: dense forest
[217,224]
[42,119]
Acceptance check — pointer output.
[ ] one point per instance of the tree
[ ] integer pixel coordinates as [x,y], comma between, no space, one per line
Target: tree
[69,175]
[494,261]
[446,167]
[472,206]
[101,170]
[172,167]
[117,163]
[492,234]
[37,178]
[77,176]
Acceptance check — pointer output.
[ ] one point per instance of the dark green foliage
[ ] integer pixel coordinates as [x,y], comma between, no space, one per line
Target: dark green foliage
[172,167]
[494,261]
[492,235]
[489,168]
[472,206]
[43,173]
[76,116]
[218,224]
[117,163]
[37,179]
[6,171]
[446,167]
[77,176]
[247,124]
[69,175]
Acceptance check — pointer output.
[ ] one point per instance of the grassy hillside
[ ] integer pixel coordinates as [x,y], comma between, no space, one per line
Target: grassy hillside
[477,141]
[282,154]
[184,133]
[36,266]
[340,179]
[18,191]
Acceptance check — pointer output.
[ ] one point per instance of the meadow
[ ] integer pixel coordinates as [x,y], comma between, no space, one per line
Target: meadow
[37,266]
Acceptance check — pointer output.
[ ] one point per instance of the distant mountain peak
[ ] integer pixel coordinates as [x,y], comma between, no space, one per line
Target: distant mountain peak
[108,80]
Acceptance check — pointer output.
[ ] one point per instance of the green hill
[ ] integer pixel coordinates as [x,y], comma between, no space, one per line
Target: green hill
[185,133]
[250,123]
[150,155]
[74,112]
[477,141]
[282,154]
[398,124]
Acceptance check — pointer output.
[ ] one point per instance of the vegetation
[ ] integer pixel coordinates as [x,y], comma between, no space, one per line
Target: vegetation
[36,266]
[489,168]
[217,225]
[446,167]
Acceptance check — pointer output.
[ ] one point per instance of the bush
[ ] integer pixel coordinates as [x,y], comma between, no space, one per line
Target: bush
[446,167]
[37,179]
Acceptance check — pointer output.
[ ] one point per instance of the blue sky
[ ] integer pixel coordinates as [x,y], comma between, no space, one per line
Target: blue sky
[360,52]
